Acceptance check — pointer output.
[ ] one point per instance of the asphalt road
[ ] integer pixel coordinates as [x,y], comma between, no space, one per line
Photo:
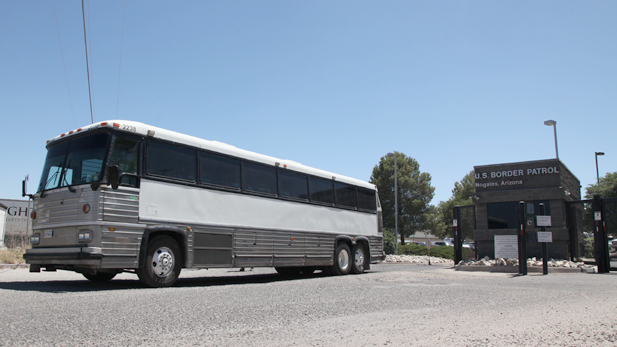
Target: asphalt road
[392,305]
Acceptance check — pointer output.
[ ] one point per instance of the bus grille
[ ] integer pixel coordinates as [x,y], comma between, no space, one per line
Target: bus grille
[120,205]
[65,207]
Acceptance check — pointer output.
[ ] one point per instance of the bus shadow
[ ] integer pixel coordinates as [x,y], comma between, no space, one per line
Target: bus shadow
[124,284]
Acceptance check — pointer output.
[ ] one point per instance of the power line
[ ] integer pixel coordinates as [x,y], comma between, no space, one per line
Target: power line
[120,66]
[83,15]
[63,65]
[91,57]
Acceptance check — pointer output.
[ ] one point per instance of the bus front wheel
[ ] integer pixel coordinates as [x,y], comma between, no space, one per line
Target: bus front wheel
[342,260]
[163,264]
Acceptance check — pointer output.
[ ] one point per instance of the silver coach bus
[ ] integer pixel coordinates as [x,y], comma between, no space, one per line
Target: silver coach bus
[121,196]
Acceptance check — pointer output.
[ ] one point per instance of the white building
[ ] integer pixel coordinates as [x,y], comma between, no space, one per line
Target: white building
[2,222]
[16,216]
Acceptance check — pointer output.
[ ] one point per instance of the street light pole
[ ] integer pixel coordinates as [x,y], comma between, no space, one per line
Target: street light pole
[393,154]
[554,124]
[598,171]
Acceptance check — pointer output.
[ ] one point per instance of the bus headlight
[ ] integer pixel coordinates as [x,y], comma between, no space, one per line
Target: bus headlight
[84,236]
[35,239]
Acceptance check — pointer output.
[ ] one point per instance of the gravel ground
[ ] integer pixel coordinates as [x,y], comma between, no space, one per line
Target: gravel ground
[392,305]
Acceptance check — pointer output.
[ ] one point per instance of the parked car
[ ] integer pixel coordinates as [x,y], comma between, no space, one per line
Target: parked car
[612,245]
[442,243]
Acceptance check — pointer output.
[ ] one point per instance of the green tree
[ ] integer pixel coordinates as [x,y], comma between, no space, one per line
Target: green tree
[461,196]
[607,188]
[414,194]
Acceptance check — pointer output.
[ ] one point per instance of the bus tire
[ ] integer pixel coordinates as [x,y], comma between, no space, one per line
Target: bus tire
[101,276]
[359,259]
[163,263]
[342,260]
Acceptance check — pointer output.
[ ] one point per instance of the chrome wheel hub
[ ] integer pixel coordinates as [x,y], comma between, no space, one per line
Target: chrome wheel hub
[359,259]
[343,260]
[162,262]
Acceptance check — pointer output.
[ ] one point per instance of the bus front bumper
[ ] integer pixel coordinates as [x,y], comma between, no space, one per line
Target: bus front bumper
[85,256]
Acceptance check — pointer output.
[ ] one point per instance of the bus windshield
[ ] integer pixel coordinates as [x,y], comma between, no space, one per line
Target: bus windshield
[76,161]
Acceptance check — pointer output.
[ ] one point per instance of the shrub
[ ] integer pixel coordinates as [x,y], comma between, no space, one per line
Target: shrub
[388,241]
[445,252]
[412,249]
[17,240]
[588,248]
[12,256]
[469,253]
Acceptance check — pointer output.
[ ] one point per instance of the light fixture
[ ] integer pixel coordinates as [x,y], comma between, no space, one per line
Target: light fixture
[554,124]
[35,239]
[84,236]
[597,171]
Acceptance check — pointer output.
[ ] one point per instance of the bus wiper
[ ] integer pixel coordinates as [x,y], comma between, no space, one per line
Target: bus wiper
[64,170]
[51,179]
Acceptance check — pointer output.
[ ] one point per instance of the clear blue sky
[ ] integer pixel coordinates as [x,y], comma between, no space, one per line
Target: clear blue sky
[331,84]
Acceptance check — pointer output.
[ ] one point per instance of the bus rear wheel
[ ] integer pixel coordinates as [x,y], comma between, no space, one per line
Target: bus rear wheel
[359,259]
[163,264]
[342,260]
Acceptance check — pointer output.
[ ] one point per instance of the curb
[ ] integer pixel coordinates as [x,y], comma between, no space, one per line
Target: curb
[514,269]
[13,266]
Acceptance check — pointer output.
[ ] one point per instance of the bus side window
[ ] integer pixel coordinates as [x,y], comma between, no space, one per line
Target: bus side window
[259,178]
[293,185]
[125,154]
[218,170]
[321,190]
[172,161]
[367,200]
[345,195]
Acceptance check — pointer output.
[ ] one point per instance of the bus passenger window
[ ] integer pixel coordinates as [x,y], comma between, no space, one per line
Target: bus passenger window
[259,178]
[321,190]
[367,200]
[219,170]
[171,161]
[345,195]
[293,185]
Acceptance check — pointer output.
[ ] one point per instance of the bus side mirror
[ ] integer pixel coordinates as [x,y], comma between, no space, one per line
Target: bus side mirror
[113,174]
[23,188]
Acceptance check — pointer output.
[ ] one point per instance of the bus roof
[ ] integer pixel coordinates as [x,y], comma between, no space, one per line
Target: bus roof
[214,146]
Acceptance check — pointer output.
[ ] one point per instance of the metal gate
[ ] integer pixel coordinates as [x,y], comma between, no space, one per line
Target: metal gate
[593,227]
[464,233]
[580,229]
[609,213]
